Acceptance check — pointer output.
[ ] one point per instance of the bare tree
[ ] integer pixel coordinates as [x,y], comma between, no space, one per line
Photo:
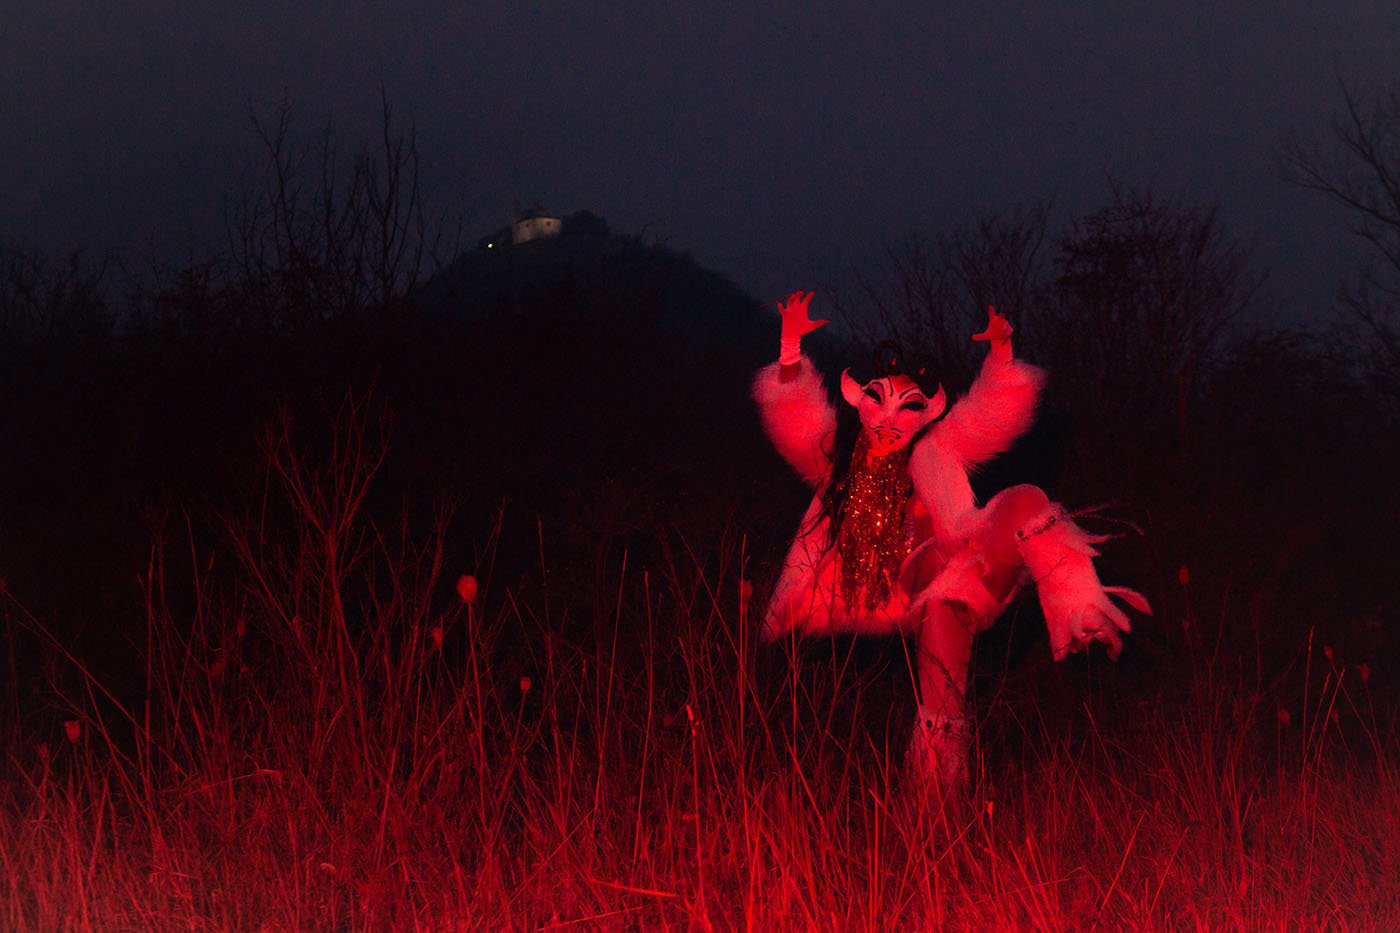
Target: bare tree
[313,238]
[933,298]
[1360,170]
[40,297]
[1144,294]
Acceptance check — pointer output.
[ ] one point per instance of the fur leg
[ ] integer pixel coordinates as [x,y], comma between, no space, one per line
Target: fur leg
[938,753]
[1059,555]
[937,756]
[963,584]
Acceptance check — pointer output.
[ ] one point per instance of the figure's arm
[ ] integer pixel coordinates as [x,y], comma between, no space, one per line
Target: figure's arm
[999,407]
[792,399]
[796,325]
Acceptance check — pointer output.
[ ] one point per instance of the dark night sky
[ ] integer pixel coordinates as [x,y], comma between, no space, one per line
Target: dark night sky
[778,146]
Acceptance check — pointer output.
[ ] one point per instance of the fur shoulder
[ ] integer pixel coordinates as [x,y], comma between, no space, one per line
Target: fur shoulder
[798,417]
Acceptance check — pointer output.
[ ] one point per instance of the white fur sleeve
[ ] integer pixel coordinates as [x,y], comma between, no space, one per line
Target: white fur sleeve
[940,481]
[999,408]
[798,417]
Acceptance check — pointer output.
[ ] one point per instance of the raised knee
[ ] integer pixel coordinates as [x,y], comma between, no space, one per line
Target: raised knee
[1012,511]
[1021,504]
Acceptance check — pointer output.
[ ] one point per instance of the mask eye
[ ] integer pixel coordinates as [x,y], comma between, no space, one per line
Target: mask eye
[913,405]
[871,393]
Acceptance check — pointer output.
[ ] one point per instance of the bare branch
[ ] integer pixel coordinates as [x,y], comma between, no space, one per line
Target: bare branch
[320,236]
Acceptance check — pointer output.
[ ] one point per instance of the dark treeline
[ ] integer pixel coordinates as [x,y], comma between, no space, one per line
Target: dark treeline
[587,396]
[1244,463]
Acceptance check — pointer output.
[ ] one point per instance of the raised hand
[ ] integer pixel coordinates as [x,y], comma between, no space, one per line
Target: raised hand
[998,332]
[796,325]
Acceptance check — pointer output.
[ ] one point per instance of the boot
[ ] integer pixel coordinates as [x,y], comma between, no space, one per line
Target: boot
[937,756]
[1059,555]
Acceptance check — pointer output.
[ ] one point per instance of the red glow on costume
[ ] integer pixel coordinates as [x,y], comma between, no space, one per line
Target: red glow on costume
[913,551]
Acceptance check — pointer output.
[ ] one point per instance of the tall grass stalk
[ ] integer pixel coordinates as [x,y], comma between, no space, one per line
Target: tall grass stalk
[335,732]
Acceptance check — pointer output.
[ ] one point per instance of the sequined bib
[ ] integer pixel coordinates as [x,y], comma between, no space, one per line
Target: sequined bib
[872,541]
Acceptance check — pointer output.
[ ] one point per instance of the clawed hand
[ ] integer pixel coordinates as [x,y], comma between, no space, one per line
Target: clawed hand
[796,323]
[1097,620]
[1092,624]
[998,330]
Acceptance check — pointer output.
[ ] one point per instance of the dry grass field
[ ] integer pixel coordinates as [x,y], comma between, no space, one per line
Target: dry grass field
[337,729]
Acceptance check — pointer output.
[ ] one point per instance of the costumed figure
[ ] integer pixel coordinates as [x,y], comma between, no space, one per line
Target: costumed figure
[894,540]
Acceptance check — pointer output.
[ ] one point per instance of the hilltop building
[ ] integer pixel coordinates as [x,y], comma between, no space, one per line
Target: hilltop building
[534,226]
[537,224]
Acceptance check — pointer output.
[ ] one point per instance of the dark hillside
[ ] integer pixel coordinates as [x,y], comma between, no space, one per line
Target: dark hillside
[583,399]
[593,387]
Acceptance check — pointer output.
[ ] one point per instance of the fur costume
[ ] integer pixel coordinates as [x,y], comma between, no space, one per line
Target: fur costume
[913,552]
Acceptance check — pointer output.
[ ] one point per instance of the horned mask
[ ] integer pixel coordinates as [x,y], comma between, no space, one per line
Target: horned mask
[893,408]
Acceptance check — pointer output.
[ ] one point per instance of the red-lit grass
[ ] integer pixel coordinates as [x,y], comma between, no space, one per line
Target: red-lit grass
[330,738]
